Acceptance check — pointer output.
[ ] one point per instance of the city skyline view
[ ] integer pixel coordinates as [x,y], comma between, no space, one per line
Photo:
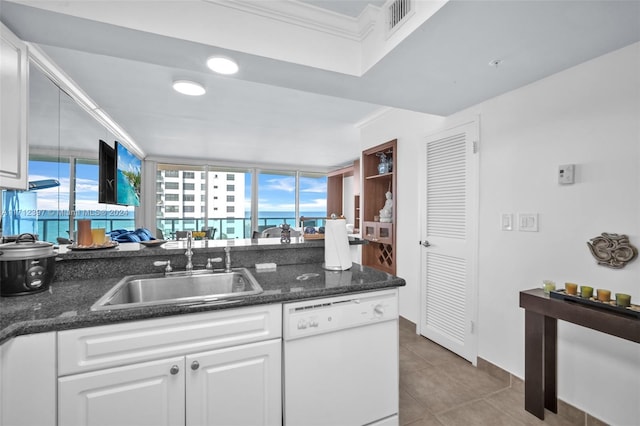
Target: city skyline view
[276,191]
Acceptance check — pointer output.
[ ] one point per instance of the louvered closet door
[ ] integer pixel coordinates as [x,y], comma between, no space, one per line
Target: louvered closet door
[449,217]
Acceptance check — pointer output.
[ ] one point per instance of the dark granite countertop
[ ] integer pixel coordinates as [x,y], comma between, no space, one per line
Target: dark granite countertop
[204,246]
[66,305]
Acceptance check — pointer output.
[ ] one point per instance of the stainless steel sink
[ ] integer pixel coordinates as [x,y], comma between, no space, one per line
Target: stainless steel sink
[179,288]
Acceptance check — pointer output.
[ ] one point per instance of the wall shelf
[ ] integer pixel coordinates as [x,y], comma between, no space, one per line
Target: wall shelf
[380,253]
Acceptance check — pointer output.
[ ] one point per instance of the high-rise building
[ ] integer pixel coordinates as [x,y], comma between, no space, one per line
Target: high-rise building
[194,199]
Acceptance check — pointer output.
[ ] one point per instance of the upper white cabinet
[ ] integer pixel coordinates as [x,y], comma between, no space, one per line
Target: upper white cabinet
[14,74]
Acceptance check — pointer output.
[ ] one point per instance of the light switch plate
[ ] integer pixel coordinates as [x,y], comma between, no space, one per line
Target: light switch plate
[528,222]
[506,221]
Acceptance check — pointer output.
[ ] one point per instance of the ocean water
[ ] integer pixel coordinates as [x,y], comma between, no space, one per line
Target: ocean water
[53,223]
[126,192]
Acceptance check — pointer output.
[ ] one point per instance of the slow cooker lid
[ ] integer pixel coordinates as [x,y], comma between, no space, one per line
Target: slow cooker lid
[25,246]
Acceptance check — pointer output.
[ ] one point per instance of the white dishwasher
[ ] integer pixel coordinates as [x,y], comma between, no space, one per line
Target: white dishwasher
[341,360]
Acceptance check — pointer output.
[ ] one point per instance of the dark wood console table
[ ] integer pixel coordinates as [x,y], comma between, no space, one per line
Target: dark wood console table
[541,330]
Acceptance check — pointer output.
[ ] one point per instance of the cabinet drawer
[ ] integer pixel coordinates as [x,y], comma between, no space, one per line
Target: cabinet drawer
[379,232]
[92,348]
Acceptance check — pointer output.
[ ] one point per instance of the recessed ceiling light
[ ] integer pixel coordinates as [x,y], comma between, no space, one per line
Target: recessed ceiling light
[222,65]
[188,88]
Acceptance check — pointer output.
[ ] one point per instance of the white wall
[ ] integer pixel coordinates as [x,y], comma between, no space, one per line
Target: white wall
[588,115]
[409,128]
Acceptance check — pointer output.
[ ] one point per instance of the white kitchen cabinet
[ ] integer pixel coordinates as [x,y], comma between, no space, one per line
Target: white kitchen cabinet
[145,394]
[215,368]
[240,385]
[27,380]
[14,74]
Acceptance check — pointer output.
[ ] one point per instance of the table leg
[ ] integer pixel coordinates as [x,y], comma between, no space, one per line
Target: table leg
[550,364]
[534,372]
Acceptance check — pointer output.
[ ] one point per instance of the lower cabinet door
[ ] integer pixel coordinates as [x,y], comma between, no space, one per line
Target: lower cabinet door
[240,385]
[149,393]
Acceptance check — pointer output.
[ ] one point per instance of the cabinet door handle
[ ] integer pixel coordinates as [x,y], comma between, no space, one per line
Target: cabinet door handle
[174,370]
[195,365]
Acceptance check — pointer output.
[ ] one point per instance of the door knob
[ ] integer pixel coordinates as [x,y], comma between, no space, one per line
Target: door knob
[195,365]
[174,370]
[424,243]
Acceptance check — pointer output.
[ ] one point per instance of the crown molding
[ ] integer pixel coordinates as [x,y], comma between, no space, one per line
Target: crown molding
[307,16]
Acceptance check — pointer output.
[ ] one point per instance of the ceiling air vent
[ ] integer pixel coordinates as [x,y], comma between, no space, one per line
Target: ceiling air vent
[397,11]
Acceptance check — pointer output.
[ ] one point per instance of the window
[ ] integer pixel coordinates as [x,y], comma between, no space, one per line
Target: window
[172,197]
[202,198]
[231,209]
[171,209]
[203,186]
[189,187]
[313,195]
[48,213]
[231,176]
[231,188]
[231,198]
[203,175]
[276,199]
[172,173]
[172,185]
[188,197]
[188,175]
[231,230]
[188,209]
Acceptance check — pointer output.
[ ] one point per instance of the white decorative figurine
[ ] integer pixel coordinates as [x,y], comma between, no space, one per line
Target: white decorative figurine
[387,210]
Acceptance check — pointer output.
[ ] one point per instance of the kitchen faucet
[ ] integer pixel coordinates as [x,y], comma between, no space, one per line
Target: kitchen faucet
[189,252]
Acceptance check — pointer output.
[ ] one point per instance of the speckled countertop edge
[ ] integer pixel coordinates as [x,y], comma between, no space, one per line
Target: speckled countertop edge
[66,305]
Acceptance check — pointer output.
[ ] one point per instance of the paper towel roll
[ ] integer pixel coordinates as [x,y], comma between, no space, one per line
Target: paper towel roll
[336,245]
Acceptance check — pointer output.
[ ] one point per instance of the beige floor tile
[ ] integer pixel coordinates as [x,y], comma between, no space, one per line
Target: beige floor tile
[435,389]
[479,382]
[409,361]
[511,402]
[478,413]
[410,409]
[433,353]
[427,420]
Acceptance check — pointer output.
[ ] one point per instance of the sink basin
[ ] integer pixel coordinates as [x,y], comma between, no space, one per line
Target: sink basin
[179,288]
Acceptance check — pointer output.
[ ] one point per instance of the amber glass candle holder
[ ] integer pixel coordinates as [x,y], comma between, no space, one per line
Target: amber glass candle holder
[571,288]
[603,295]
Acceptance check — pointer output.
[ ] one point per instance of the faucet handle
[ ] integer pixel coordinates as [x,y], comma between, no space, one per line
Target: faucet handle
[211,260]
[166,263]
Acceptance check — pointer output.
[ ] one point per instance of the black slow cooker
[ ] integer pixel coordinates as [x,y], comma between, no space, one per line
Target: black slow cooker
[27,266]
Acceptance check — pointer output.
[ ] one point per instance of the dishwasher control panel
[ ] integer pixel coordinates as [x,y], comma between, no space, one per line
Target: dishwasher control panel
[331,314]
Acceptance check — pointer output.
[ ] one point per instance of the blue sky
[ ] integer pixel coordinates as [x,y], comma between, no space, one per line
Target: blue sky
[277,193]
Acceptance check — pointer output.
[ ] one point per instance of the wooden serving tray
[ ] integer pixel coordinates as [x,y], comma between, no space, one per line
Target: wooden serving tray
[313,236]
[633,310]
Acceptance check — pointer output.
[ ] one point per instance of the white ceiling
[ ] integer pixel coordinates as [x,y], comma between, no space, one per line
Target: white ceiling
[277,112]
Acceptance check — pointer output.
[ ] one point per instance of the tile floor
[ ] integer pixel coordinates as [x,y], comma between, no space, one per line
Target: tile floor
[438,388]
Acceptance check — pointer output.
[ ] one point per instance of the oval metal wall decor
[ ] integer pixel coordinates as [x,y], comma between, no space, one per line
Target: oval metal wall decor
[612,250]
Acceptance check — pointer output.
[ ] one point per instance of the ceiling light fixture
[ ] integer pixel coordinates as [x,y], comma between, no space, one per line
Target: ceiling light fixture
[188,88]
[222,65]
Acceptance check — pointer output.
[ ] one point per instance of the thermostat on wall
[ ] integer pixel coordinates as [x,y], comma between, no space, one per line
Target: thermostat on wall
[566,174]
